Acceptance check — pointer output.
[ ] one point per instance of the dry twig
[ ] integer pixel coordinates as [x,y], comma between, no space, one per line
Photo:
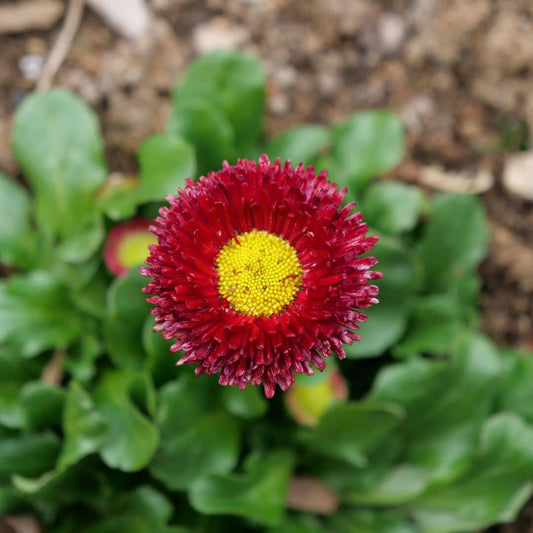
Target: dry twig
[62,45]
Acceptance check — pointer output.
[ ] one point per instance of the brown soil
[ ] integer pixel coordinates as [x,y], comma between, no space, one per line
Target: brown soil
[458,73]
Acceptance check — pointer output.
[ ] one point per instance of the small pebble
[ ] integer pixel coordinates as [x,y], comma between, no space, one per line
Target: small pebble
[518,175]
[31,66]
[391,32]
[218,33]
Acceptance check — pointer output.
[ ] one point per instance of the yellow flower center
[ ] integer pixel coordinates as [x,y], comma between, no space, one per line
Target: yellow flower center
[259,273]
[133,247]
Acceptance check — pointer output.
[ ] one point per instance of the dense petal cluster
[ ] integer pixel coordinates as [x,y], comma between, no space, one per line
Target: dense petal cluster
[260,213]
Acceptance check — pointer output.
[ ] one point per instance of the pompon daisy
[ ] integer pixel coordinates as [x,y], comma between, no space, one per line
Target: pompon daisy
[258,274]
[126,245]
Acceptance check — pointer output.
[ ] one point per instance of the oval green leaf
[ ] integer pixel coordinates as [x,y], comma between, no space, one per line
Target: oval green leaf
[366,145]
[57,142]
[455,239]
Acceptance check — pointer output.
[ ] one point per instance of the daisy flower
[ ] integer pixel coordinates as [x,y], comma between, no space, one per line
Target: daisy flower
[126,245]
[258,274]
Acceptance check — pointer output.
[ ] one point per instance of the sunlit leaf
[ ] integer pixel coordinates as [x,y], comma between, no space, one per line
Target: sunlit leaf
[301,144]
[393,207]
[57,142]
[365,145]
[232,82]
[208,130]
[455,239]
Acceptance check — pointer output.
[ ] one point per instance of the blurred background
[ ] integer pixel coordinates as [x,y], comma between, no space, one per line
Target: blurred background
[458,74]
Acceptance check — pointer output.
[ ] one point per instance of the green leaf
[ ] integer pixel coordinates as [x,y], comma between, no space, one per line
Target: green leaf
[301,144]
[57,142]
[434,326]
[445,402]
[161,361]
[494,487]
[348,480]
[364,146]
[127,312]
[147,501]
[80,247]
[133,439]
[365,521]
[348,431]
[208,130]
[27,455]
[143,510]
[132,523]
[248,403]
[466,291]
[300,523]
[80,361]
[232,82]
[454,240]
[85,429]
[10,500]
[14,372]
[393,207]
[387,321]
[197,439]
[17,239]
[399,485]
[516,393]
[50,492]
[258,494]
[165,162]
[41,404]
[77,276]
[36,314]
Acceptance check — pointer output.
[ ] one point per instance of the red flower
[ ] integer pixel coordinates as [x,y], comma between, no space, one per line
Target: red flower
[257,273]
[126,245]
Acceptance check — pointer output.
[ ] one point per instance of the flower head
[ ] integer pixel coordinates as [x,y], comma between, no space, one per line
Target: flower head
[307,400]
[126,245]
[257,273]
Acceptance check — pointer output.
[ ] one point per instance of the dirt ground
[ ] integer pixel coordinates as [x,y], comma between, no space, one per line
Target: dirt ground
[458,73]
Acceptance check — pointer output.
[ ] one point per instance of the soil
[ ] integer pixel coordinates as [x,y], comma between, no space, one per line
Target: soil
[458,73]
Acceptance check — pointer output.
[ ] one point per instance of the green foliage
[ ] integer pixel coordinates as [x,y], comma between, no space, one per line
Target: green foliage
[488,491]
[455,239]
[367,144]
[387,322]
[17,240]
[57,143]
[258,494]
[198,439]
[36,303]
[299,144]
[436,438]
[165,163]
[393,207]
[349,430]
